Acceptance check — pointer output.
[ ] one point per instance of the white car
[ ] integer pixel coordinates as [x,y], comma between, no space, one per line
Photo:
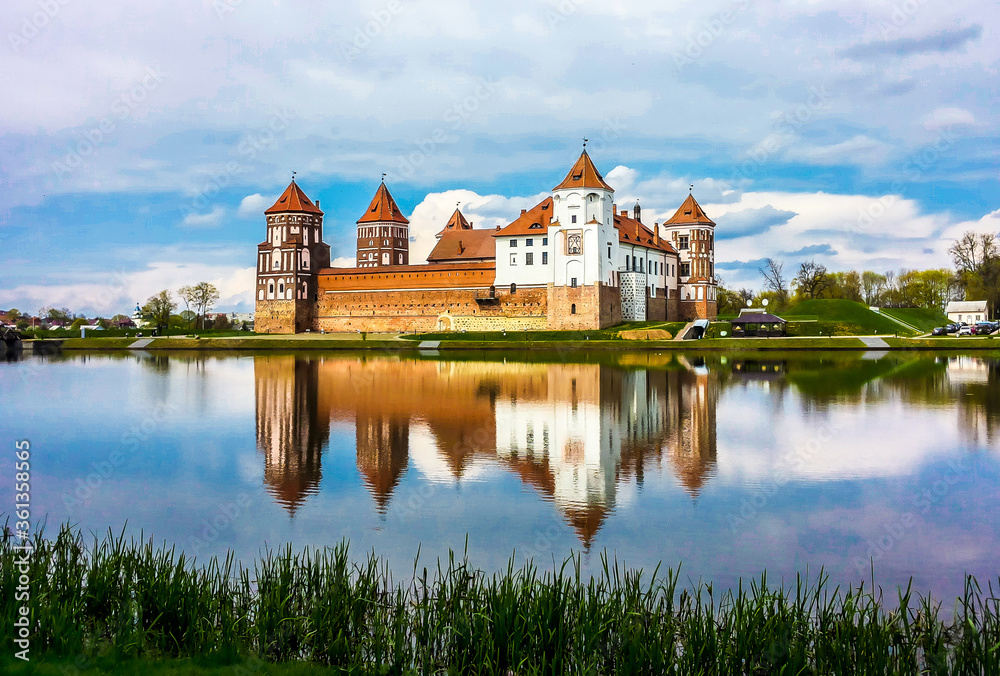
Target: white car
[965,331]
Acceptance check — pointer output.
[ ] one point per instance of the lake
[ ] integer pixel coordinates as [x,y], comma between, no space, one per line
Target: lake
[728,464]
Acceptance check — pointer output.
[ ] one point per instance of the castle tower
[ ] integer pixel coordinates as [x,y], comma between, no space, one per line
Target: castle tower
[693,235]
[288,262]
[383,233]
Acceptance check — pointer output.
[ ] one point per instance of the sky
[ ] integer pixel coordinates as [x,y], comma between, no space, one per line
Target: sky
[141,142]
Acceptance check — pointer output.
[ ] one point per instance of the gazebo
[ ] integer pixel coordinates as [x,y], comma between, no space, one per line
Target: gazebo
[762,324]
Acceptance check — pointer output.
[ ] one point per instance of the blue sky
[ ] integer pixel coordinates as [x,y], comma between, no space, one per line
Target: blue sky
[140,142]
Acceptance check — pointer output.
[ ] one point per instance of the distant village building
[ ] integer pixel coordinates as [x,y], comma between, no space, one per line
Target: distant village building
[573,261]
[968,311]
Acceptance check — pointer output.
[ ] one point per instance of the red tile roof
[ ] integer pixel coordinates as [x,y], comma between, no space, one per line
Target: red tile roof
[690,212]
[584,175]
[631,231]
[462,245]
[294,200]
[535,221]
[383,209]
[456,222]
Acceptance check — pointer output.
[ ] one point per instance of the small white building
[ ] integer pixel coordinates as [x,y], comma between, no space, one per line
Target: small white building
[968,311]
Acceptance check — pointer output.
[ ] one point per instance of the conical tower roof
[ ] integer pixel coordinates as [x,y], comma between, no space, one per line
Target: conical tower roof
[690,213]
[457,222]
[294,200]
[584,175]
[383,209]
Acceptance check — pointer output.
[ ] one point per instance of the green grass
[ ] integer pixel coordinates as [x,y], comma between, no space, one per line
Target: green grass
[839,317]
[118,601]
[922,318]
[610,333]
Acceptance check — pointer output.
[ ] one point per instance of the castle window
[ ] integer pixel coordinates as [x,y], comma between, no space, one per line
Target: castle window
[281,288]
[513,243]
[513,259]
[529,242]
[572,219]
[529,259]
[545,241]
[545,258]
[685,269]
[513,288]
[609,252]
[572,282]
[572,309]
[682,242]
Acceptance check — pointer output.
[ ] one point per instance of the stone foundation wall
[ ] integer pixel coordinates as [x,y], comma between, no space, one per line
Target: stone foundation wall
[656,309]
[484,323]
[429,310]
[697,309]
[274,316]
[597,306]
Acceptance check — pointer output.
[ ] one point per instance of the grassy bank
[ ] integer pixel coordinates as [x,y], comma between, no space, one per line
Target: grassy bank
[116,601]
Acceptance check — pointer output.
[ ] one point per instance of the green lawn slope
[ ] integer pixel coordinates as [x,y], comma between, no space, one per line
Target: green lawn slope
[922,318]
[838,317]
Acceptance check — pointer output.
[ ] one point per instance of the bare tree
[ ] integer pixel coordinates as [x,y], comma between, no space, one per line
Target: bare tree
[811,279]
[774,279]
[188,295]
[972,250]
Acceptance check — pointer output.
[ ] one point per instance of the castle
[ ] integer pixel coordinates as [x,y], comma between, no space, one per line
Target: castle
[573,261]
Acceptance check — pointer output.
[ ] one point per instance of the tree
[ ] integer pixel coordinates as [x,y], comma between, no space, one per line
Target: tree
[205,296]
[972,250]
[158,309]
[774,280]
[221,322]
[13,315]
[872,287]
[811,279]
[189,296]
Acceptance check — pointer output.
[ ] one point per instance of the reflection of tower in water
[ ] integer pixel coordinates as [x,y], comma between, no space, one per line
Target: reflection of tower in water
[691,421]
[290,433]
[383,447]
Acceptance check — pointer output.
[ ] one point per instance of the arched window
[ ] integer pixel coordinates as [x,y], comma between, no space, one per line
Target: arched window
[572,309]
[513,288]
[281,288]
[275,260]
[270,290]
[305,258]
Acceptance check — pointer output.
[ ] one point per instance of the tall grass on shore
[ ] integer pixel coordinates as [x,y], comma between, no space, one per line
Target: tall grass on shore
[126,598]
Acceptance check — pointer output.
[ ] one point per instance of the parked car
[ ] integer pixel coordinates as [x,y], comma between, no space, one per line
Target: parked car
[965,331]
[940,331]
[952,328]
[983,329]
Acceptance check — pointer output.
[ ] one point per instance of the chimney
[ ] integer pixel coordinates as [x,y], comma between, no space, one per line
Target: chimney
[656,232]
[461,248]
[317,204]
[470,225]
[524,211]
[638,212]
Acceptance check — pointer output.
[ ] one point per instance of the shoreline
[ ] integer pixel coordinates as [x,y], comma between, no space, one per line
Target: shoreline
[396,344]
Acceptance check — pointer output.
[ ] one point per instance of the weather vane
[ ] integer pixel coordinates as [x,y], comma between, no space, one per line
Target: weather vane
[383,177]
[293,175]
[585,143]
[691,188]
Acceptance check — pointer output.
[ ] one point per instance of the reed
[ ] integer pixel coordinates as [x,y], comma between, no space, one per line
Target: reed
[128,599]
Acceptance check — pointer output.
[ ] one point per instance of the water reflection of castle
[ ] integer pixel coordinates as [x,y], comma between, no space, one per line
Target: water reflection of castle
[573,432]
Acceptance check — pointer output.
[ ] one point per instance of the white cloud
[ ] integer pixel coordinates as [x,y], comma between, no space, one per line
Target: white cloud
[254,205]
[110,293]
[212,219]
[943,118]
[858,149]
